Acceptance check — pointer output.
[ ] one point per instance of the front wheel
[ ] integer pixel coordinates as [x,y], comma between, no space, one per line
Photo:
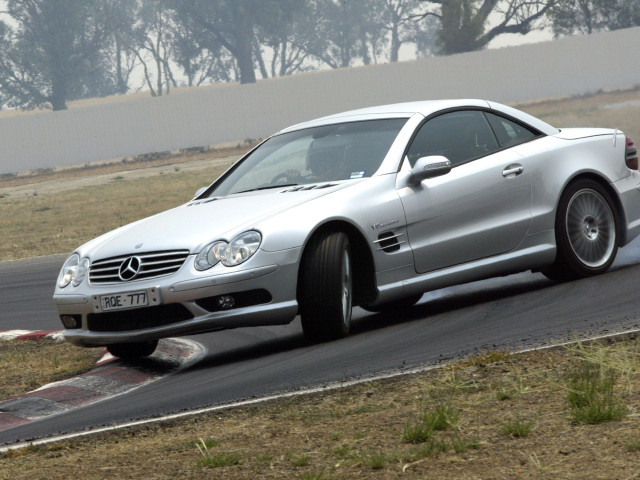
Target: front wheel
[132,351]
[326,287]
[586,232]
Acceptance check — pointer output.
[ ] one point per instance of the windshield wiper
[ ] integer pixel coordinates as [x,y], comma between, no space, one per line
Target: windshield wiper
[267,187]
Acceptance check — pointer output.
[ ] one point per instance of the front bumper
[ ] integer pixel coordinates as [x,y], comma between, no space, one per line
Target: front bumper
[187,302]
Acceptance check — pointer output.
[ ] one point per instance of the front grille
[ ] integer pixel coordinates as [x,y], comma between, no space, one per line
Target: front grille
[151,265]
[140,318]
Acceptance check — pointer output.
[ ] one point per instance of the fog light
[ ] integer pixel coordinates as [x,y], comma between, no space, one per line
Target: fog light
[225,302]
[71,321]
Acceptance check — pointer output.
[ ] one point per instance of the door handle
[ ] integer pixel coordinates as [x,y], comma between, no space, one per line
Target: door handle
[512,171]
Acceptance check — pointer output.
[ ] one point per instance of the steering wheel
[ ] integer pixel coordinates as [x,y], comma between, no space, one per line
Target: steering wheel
[292,179]
[278,177]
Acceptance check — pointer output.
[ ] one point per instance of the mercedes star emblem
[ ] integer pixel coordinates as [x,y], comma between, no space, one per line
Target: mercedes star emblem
[129,269]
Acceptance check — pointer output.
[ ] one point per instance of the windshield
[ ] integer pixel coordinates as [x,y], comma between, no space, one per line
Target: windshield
[320,154]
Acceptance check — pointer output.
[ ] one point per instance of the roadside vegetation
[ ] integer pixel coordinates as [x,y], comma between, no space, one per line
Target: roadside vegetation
[70,207]
[27,364]
[563,413]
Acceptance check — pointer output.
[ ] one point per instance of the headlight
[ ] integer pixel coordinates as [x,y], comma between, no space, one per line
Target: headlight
[239,250]
[211,255]
[73,271]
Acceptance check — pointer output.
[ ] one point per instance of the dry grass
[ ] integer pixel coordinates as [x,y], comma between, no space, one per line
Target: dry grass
[617,109]
[357,433]
[27,364]
[57,215]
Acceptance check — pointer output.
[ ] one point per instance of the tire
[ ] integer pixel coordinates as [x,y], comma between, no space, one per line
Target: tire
[394,306]
[132,351]
[586,232]
[326,287]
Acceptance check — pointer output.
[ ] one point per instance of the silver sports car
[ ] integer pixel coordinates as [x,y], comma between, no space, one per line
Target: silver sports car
[370,207]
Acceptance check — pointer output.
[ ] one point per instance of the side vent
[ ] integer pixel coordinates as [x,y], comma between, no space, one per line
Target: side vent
[389,241]
[631,154]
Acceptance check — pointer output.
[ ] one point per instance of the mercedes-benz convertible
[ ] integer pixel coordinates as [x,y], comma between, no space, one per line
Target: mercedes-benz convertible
[367,208]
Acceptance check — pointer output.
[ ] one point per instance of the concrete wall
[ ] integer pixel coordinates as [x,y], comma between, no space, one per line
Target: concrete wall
[230,113]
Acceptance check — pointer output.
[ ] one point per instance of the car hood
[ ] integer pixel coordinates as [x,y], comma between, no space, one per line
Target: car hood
[197,223]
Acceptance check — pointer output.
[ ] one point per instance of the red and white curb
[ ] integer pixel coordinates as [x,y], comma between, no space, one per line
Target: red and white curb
[108,379]
[57,335]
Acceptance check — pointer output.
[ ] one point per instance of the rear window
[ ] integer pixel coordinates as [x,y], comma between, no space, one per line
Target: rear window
[509,132]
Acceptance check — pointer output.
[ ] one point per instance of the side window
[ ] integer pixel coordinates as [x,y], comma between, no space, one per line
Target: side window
[509,132]
[460,136]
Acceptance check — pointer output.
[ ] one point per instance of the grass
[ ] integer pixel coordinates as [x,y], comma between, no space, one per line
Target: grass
[317,476]
[376,460]
[217,460]
[633,444]
[211,459]
[27,365]
[591,389]
[299,461]
[303,437]
[606,109]
[108,201]
[416,432]
[518,427]
[442,417]
[461,444]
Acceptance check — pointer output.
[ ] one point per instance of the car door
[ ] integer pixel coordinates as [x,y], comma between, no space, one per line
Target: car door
[481,208]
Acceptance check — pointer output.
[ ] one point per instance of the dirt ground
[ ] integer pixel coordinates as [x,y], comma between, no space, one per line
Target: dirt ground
[507,417]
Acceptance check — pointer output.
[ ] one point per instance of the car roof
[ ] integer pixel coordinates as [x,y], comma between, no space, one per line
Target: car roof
[424,108]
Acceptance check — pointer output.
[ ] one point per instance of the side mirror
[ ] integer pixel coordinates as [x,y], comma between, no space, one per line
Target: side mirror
[199,192]
[429,167]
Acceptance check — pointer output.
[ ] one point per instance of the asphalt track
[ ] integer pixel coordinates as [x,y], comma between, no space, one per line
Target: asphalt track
[514,312]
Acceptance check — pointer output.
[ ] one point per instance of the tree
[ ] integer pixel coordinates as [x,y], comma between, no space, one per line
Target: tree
[54,53]
[464,24]
[201,61]
[284,33]
[151,36]
[399,21]
[569,17]
[229,23]
[344,32]
[122,47]
[424,36]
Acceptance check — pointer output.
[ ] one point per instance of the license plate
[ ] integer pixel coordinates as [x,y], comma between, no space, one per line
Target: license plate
[120,301]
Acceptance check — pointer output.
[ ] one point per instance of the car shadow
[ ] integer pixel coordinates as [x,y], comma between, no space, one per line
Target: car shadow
[449,301]
[433,304]
[253,351]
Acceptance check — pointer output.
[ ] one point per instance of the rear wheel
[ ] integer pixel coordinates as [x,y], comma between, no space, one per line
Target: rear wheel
[131,351]
[326,287]
[586,232]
